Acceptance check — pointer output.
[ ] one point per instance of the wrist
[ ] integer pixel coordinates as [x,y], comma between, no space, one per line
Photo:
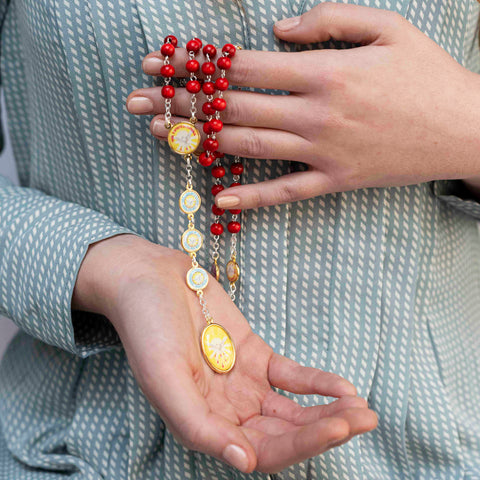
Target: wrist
[107,266]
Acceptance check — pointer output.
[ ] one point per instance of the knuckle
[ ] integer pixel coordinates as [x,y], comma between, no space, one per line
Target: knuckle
[241,70]
[251,145]
[289,192]
[191,437]
[232,113]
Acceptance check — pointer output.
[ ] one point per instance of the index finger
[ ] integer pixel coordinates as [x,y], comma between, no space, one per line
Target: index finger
[289,71]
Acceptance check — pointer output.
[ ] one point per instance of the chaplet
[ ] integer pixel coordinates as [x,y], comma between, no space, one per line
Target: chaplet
[184,138]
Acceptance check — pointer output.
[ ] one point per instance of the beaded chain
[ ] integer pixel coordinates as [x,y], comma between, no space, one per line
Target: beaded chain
[184,138]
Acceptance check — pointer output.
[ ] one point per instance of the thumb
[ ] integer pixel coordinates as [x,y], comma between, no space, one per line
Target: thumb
[343,22]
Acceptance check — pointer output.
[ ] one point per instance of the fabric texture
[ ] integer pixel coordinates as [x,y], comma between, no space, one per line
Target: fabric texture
[378,285]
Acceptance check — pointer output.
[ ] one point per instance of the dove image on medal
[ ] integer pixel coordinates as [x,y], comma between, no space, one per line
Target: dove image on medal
[184,138]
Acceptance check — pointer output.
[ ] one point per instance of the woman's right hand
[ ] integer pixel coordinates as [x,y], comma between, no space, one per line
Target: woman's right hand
[236,417]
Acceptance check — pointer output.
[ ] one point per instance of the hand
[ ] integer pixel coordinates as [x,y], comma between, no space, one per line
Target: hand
[397,110]
[141,288]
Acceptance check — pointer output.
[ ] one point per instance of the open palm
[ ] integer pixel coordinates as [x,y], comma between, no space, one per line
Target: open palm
[159,321]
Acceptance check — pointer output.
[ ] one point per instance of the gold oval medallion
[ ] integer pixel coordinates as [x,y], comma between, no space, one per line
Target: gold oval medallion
[218,348]
[184,138]
[233,271]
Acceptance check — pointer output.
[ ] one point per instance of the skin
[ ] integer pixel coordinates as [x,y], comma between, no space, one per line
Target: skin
[397,110]
[383,114]
[140,287]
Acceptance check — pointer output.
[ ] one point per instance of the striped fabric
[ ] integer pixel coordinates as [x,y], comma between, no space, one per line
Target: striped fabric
[381,286]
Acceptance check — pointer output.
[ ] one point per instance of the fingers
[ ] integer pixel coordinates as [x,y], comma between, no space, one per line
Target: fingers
[287,188]
[279,444]
[250,68]
[189,418]
[350,23]
[245,141]
[289,375]
[277,405]
[243,108]
[276,452]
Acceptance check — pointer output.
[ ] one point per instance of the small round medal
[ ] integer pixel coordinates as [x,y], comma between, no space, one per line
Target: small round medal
[217,347]
[197,278]
[233,271]
[189,201]
[192,240]
[183,138]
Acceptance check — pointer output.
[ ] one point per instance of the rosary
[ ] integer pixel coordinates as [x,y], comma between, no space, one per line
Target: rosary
[184,138]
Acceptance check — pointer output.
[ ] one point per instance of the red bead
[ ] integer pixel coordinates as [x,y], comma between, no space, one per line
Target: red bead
[193,86]
[235,211]
[230,49]
[171,39]
[168,91]
[224,63]
[167,50]
[210,145]
[208,109]
[192,66]
[233,227]
[167,70]
[221,83]
[205,160]
[199,41]
[207,128]
[218,154]
[219,104]
[235,184]
[217,210]
[236,168]
[208,88]
[208,68]
[216,125]
[217,189]
[209,50]
[194,45]
[216,228]
[218,171]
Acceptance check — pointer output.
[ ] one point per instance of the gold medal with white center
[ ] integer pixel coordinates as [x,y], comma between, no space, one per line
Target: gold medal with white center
[184,138]
[217,347]
[189,201]
[197,278]
[192,240]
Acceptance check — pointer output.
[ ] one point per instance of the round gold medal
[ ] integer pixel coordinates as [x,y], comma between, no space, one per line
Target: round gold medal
[183,138]
[217,347]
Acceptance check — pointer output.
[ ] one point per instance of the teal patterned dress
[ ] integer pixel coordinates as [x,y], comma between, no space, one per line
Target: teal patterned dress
[380,285]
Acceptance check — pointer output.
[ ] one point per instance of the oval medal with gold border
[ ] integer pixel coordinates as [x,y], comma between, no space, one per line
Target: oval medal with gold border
[218,349]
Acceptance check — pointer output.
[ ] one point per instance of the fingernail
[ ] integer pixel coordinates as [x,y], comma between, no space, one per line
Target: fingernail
[227,201]
[236,456]
[159,128]
[287,23]
[140,105]
[152,64]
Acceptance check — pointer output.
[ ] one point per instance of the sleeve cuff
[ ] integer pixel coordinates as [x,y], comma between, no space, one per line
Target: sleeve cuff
[43,241]
[455,194]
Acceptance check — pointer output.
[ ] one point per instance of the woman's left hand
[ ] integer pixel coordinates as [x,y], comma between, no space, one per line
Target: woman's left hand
[396,111]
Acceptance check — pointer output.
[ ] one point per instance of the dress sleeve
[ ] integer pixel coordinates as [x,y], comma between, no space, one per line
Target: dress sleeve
[456,194]
[43,241]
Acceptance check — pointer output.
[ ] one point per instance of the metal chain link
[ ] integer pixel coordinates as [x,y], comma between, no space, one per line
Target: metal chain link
[193,98]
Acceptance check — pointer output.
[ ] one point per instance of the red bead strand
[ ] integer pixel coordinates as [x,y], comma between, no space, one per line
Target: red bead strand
[168,71]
